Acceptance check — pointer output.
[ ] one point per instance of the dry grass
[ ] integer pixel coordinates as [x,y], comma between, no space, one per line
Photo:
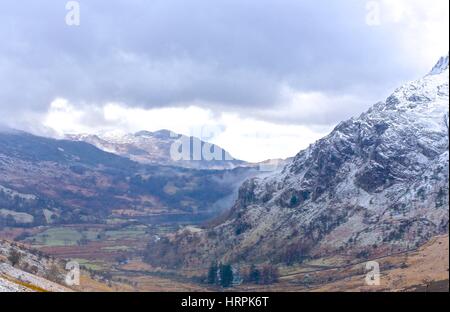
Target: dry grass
[158,284]
[430,263]
[88,284]
[421,270]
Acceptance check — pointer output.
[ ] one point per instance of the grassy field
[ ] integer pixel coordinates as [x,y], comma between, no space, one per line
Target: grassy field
[132,232]
[56,237]
[98,248]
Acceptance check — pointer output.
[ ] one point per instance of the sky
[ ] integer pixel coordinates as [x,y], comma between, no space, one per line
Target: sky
[263,79]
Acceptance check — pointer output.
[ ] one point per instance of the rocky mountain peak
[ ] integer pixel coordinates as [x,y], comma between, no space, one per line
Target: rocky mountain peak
[441,66]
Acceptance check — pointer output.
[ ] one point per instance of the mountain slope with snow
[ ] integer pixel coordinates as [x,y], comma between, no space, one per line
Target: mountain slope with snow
[377,183]
[163,148]
[45,181]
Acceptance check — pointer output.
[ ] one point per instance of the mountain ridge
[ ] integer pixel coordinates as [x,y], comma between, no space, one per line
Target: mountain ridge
[376,183]
[77,182]
[162,147]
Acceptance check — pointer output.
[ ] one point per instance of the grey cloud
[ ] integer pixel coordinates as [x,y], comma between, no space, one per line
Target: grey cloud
[229,54]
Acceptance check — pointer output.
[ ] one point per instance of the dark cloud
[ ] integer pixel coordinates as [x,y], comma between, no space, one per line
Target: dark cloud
[226,54]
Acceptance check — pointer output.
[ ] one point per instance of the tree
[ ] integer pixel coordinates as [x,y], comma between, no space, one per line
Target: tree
[254,274]
[212,274]
[83,240]
[294,201]
[14,257]
[226,275]
[269,274]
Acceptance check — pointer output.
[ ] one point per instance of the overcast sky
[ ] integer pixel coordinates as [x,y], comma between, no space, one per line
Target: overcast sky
[266,78]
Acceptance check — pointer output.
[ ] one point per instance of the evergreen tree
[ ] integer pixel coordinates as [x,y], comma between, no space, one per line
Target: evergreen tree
[212,274]
[226,275]
[294,201]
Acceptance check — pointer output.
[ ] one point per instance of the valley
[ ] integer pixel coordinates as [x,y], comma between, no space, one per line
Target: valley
[374,191]
[422,269]
[203,148]
[47,181]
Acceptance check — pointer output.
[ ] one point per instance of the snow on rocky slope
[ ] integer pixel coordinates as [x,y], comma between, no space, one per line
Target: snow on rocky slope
[377,183]
[24,281]
[155,148]
[8,286]
[16,279]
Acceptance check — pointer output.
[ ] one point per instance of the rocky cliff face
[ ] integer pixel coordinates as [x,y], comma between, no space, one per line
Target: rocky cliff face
[377,183]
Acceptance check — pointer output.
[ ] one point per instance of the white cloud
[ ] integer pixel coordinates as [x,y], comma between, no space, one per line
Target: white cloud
[245,138]
[314,108]
[256,140]
[63,118]
[421,26]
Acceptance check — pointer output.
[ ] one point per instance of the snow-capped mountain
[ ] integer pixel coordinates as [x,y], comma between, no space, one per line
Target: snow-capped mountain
[440,66]
[44,181]
[162,147]
[376,184]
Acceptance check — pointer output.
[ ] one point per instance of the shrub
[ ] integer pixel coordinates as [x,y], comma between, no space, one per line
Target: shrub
[54,274]
[269,274]
[14,257]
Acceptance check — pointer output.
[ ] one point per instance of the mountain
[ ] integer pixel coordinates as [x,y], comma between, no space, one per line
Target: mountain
[441,66]
[163,148]
[47,181]
[377,184]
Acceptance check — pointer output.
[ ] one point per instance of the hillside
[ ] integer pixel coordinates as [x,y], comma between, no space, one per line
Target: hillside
[422,269]
[377,184]
[425,269]
[32,272]
[46,181]
[36,271]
